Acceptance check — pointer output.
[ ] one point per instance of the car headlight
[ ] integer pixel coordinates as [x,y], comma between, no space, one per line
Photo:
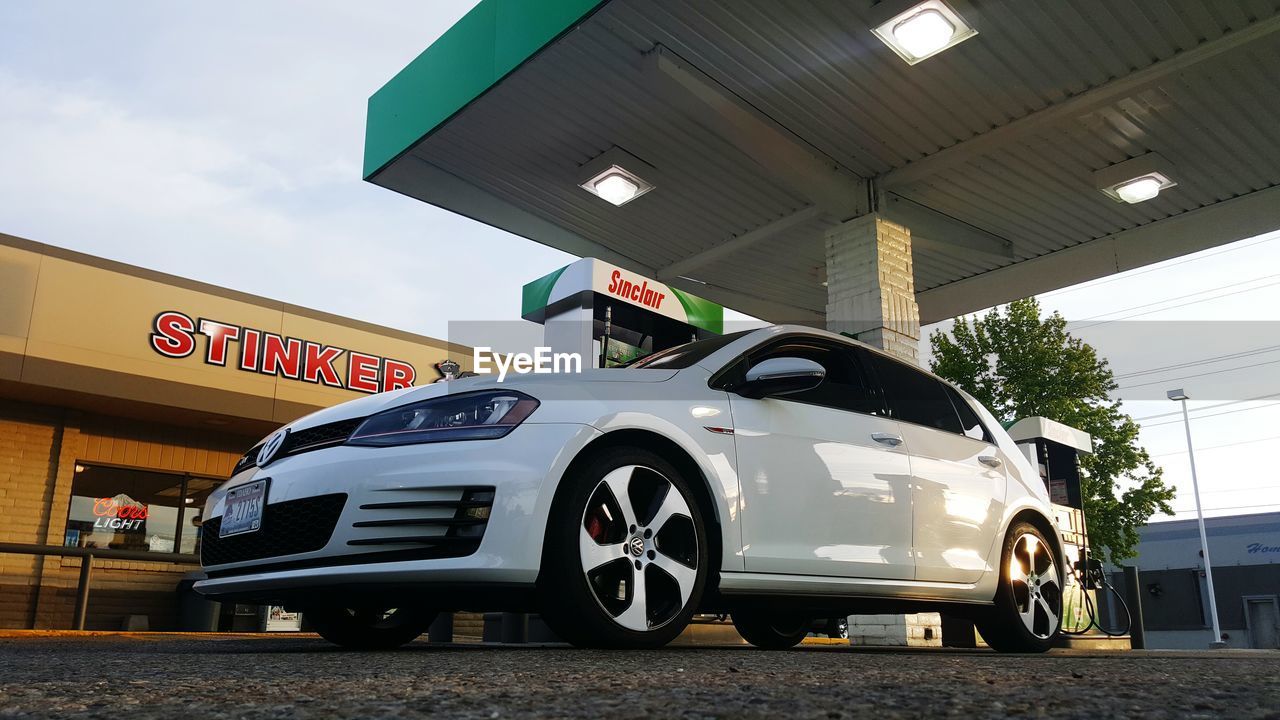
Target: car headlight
[472,416]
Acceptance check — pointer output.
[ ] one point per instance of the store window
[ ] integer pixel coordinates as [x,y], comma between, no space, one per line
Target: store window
[130,509]
[197,491]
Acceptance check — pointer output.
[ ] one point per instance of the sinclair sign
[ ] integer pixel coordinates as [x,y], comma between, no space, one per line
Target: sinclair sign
[590,275]
[177,335]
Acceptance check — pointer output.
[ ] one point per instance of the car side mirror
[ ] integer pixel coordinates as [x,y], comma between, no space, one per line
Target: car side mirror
[781,376]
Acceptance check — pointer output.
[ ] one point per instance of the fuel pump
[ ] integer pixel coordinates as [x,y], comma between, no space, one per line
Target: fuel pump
[1054,449]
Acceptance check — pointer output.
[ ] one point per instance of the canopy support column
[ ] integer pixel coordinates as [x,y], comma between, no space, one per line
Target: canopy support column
[870,287]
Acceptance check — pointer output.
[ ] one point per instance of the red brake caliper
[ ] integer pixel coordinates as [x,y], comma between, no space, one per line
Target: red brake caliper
[595,528]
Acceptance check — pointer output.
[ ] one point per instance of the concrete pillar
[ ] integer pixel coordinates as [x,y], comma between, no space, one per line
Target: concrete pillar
[912,630]
[871,292]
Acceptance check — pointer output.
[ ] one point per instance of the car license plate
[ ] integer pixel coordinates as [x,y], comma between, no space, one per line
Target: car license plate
[243,509]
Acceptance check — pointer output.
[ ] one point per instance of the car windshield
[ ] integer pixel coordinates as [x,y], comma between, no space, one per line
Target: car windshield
[682,356]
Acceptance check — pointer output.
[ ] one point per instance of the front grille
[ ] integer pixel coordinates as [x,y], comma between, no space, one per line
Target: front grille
[247,460]
[314,438]
[288,528]
[300,441]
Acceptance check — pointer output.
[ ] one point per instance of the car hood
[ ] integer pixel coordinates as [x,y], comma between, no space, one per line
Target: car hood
[365,406]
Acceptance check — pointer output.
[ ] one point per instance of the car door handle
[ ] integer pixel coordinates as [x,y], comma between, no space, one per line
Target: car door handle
[989,460]
[887,439]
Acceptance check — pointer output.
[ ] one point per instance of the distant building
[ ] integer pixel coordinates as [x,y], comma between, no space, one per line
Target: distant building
[1245,553]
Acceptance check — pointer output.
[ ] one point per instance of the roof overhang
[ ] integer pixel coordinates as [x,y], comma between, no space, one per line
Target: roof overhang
[762,125]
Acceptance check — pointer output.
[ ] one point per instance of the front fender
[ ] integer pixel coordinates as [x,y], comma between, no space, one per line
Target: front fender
[713,453]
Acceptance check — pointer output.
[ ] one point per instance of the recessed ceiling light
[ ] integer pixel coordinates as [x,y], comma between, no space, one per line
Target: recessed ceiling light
[616,185]
[1136,191]
[616,188]
[1139,189]
[1135,180]
[924,33]
[923,30]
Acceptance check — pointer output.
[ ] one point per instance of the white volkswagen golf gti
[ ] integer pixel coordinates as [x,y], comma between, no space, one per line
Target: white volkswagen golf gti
[779,475]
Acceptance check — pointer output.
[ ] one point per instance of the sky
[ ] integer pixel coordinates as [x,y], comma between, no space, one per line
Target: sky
[1156,326]
[223,142]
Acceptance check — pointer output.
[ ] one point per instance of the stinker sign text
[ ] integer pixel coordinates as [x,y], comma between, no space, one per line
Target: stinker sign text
[173,335]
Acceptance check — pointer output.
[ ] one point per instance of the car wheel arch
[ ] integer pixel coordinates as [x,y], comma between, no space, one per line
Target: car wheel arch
[674,453]
[1039,521]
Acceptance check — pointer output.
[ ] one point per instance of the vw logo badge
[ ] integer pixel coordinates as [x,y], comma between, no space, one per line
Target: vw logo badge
[272,446]
[636,545]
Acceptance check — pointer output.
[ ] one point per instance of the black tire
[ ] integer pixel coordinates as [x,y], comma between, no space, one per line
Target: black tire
[771,631]
[367,628]
[570,596]
[1003,626]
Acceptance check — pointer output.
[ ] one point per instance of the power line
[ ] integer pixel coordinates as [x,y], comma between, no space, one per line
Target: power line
[1232,507]
[1179,297]
[1126,276]
[1201,417]
[1188,377]
[1209,407]
[1215,447]
[1247,488]
[1172,307]
[1204,361]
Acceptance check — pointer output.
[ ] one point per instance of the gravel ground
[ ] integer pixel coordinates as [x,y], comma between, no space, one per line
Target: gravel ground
[140,677]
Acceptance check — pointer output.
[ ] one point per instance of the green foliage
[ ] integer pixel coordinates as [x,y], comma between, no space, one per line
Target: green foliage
[1020,365]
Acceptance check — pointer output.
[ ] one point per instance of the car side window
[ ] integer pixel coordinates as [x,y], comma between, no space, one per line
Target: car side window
[913,396]
[846,386]
[970,423]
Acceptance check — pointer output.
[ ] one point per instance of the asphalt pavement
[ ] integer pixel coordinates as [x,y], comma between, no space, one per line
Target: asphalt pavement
[154,676]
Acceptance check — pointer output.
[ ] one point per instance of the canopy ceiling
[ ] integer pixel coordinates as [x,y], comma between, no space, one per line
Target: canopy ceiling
[761,124]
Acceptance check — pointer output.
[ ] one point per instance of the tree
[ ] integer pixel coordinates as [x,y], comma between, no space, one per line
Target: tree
[1020,365]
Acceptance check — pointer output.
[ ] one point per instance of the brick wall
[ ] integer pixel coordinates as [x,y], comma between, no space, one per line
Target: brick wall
[29,440]
[39,448]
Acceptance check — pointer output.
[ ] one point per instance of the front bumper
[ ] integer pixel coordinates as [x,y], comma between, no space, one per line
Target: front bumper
[523,469]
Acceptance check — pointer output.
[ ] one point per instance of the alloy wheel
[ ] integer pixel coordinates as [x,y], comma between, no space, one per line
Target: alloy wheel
[639,548]
[1037,588]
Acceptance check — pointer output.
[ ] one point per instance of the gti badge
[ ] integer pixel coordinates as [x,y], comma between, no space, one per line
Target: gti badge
[272,446]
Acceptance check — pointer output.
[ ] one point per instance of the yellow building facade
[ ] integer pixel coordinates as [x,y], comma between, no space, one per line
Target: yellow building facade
[126,395]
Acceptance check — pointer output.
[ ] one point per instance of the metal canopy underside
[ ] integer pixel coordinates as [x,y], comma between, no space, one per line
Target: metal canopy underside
[766,123]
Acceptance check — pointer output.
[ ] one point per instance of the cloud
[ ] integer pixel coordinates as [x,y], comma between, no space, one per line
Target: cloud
[227,148]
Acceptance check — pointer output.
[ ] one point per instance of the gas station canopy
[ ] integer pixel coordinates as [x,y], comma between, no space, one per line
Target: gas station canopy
[1023,156]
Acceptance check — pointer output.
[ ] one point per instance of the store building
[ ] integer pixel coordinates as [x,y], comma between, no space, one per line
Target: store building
[127,395]
[1245,553]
